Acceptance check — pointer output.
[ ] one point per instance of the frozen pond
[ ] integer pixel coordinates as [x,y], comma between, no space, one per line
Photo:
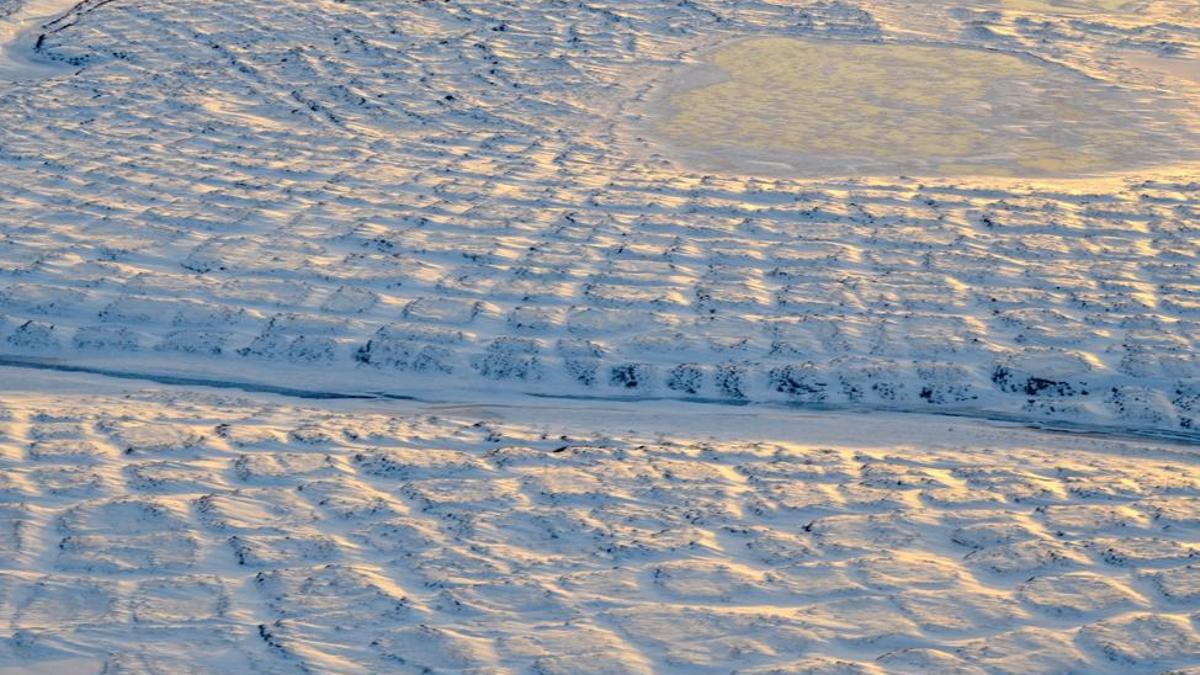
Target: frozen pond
[1066,6]
[817,107]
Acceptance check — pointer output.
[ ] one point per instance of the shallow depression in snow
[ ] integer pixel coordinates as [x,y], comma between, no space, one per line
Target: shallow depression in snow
[824,106]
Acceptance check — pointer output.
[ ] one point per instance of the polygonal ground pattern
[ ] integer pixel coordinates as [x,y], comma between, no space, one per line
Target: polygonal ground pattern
[455,193]
[259,536]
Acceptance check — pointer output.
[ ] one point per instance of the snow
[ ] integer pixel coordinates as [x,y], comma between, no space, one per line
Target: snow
[463,199]
[365,336]
[367,536]
[20,28]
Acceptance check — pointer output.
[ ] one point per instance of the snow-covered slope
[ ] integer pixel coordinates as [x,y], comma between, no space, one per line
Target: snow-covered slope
[437,196]
[165,530]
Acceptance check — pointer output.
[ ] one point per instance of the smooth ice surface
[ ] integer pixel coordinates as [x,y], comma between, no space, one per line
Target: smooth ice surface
[1067,6]
[843,107]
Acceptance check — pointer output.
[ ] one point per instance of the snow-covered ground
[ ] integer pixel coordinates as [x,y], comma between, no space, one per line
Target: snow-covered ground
[552,358]
[455,196]
[21,24]
[157,529]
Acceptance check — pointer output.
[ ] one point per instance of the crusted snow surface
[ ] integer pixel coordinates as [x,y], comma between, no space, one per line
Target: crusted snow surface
[190,530]
[440,196]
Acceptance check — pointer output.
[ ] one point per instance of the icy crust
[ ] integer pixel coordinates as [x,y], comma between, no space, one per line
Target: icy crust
[451,197]
[154,530]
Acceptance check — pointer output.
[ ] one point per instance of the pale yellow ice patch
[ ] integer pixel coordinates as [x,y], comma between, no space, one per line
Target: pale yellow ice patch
[1065,6]
[846,107]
